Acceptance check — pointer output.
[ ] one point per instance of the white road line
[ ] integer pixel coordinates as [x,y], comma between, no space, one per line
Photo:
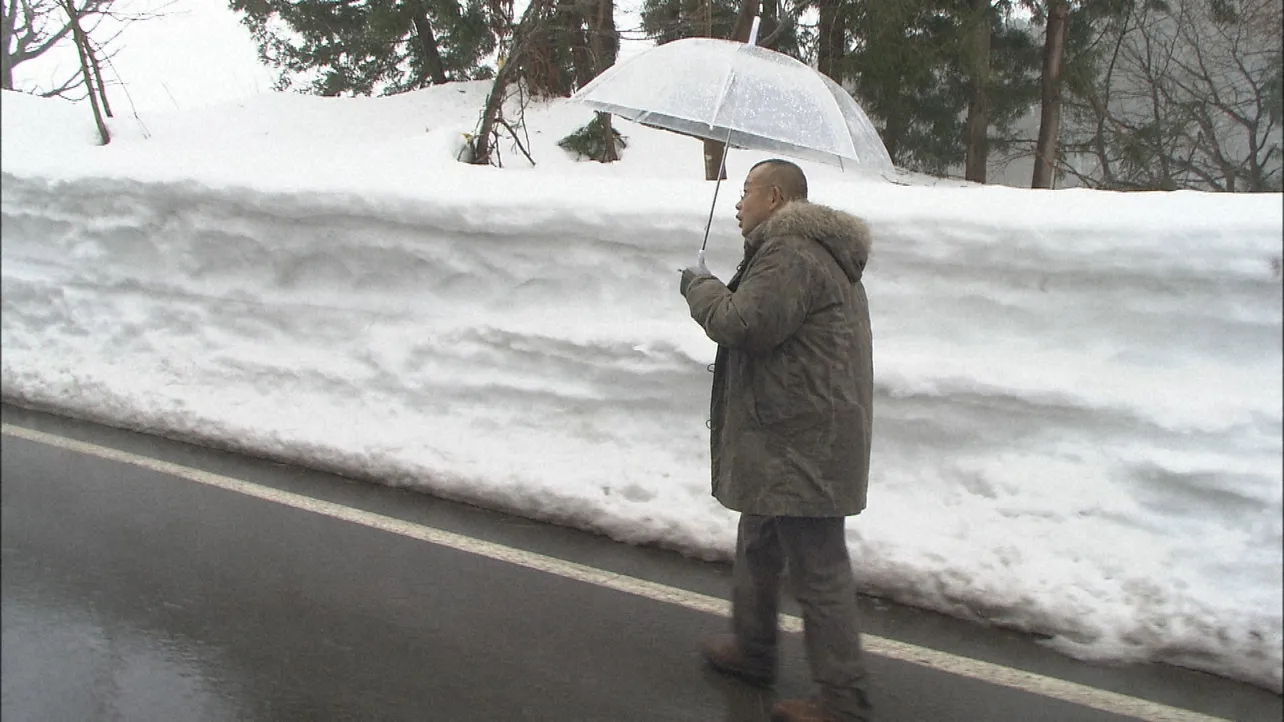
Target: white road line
[1051,687]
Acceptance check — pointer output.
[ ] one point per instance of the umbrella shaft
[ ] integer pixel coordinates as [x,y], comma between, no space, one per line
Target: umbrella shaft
[722,170]
[709,224]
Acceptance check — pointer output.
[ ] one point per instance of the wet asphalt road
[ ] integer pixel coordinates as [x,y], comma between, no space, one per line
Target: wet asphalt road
[132,595]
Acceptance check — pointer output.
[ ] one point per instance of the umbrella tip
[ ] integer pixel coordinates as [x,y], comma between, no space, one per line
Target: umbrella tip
[753,31]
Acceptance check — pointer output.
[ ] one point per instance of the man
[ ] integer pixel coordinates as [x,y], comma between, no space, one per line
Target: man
[791,418]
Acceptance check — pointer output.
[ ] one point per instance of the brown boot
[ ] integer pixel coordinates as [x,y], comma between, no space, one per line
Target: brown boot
[723,654]
[800,710]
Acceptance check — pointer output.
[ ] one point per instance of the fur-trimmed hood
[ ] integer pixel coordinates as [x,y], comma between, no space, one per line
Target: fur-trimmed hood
[845,236]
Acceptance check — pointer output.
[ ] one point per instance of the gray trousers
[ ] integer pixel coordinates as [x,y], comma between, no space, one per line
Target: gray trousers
[821,579]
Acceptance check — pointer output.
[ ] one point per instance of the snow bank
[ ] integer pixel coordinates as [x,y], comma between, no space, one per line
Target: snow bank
[1078,413]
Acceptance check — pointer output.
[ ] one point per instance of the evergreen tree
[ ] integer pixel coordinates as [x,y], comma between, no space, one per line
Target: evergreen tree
[346,47]
[1016,59]
[832,37]
[596,140]
[667,20]
[573,41]
[900,68]
[587,29]
[909,66]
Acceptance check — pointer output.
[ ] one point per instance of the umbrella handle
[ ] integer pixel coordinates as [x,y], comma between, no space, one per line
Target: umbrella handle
[722,170]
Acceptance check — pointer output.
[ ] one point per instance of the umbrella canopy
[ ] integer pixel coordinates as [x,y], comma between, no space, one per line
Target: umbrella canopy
[744,95]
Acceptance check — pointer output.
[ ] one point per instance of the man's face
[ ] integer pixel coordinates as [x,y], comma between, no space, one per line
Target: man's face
[758,201]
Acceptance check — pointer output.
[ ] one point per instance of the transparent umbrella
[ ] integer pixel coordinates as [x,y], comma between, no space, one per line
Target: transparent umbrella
[743,95]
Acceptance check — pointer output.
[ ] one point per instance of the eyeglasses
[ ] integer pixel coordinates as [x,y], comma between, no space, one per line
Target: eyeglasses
[745,191]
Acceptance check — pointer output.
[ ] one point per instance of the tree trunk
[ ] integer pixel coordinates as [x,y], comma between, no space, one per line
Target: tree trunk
[576,18]
[714,150]
[82,45]
[98,78]
[1045,155]
[604,42]
[830,32]
[581,59]
[612,152]
[978,107]
[6,37]
[495,101]
[428,46]
[744,20]
[894,132]
[604,46]
[770,22]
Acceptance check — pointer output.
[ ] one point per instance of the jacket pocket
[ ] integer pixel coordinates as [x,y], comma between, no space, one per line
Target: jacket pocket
[779,390]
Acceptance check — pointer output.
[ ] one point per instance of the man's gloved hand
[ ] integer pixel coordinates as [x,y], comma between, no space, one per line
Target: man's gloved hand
[691,273]
[699,268]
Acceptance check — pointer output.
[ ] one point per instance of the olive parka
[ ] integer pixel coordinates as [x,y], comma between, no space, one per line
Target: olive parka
[791,408]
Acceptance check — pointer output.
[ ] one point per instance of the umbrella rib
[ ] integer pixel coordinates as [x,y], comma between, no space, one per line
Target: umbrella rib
[726,90]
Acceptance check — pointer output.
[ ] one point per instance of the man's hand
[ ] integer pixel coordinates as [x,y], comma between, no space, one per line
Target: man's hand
[691,273]
[699,268]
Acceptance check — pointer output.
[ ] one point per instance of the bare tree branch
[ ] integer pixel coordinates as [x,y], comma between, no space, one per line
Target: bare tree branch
[32,28]
[1186,100]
